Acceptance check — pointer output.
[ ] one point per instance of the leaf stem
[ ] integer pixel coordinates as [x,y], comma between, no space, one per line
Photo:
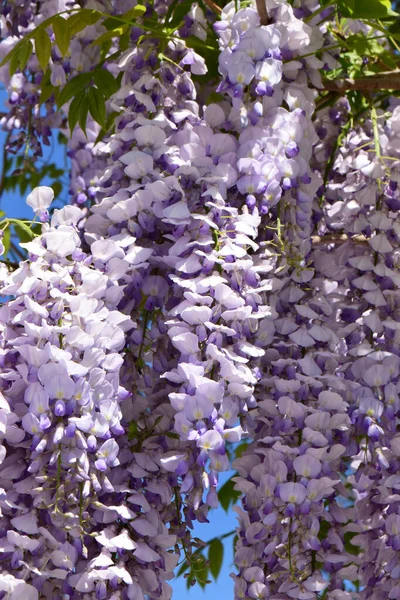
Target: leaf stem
[319,10]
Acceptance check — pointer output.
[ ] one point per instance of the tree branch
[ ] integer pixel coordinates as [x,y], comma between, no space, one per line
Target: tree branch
[213,6]
[388,80]
[262,11]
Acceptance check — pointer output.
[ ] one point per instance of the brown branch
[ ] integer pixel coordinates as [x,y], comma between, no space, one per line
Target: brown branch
[262,11]
[213,6]
[388,80]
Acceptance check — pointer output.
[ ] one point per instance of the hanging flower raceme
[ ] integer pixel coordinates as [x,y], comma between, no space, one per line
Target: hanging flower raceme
[362,271]
[188,307]
[296,419]
[62,351]
[144,199]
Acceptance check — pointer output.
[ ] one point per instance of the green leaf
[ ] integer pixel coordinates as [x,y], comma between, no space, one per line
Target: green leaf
[24,232]
[346,7]
[46,88]
[387,31]
[171,435]
[349,547]
[170,12]
[15,51]
[184,567]
[12,55]
[323,529]
[75,24]
[14,64]
[209,51]
[227,496]
[133,430]
[124,41]
[105,82]
[7,240]
[215,557]
[135,12]
[97,105]
[25,53]
[126,18]
[62,33]
[57,188]
[19,56]
[73,87]
[366,9]
[110,122]
[105,51]
[199,570]
[84,112]
[42,47]
[75,110]
[109,35]
[373,49]
[62,139]
[180,10]
[82,19]
[240,449]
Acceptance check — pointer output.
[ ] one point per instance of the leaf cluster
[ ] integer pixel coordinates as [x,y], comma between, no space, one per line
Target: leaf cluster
[206,561]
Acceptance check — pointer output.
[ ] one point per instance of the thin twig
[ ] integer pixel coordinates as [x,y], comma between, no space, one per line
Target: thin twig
[4,171]
[262,11]
[387,80]
[213,6]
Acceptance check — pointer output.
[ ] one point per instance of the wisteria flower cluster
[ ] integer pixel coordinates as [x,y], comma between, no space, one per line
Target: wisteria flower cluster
[225,272]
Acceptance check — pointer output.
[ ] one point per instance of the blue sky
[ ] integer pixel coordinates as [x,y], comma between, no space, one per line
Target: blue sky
[13,204]
[220,523]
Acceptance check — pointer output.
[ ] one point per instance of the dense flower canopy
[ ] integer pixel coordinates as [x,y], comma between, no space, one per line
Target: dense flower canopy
[221,292]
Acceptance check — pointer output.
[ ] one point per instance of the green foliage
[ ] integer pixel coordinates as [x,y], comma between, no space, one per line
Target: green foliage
[89,91]
[199,572]
[227,496]
[6,239]
[107,128]
[361,55]
[372,49]
[106,83]
[88,98]
[358,102]
[81,19]
[215,557]
[21,52]
[240,449]
[197,568]
[62,34]
[349,547]
[42,47]
[84,110]
[20,55]
[97,105]
[24,232]
[74,87]
[21,174]
[366,9]
[6,235]
[176,13]
[46,88]
[75,110]
[113,34]
[324,527]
